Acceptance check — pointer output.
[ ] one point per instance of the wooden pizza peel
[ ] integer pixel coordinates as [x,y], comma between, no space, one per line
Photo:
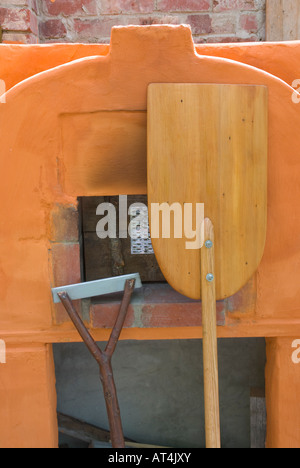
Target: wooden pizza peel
[207,145]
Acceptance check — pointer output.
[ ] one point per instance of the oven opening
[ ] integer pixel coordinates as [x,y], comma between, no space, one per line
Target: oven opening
[115,239]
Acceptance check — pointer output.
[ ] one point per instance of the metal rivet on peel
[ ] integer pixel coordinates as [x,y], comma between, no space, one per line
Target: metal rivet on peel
[208,244]
[210,277]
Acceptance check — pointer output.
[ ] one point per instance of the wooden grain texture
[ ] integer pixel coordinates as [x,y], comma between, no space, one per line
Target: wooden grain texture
[283,20]
[207,143]
[210,347]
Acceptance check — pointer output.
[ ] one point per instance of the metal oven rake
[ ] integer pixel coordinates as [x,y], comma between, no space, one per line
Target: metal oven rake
[65,295]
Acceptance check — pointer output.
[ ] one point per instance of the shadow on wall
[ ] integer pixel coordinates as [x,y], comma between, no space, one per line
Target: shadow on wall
[160,389]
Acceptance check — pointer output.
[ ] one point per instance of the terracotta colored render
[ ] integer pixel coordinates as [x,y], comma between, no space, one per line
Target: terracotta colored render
[74,124]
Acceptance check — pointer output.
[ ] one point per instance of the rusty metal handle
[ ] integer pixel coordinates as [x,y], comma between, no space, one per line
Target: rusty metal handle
[103,359]
[81,328]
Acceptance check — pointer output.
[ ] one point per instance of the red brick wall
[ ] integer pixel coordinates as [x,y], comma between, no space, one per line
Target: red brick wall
[92,20]
[19,21]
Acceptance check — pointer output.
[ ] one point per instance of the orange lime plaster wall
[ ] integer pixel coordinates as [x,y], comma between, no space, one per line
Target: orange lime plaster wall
[47,121]
[52,125]
[19,62]
[28,398]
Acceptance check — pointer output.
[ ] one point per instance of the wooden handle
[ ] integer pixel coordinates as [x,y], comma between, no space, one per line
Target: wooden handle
[210,348]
